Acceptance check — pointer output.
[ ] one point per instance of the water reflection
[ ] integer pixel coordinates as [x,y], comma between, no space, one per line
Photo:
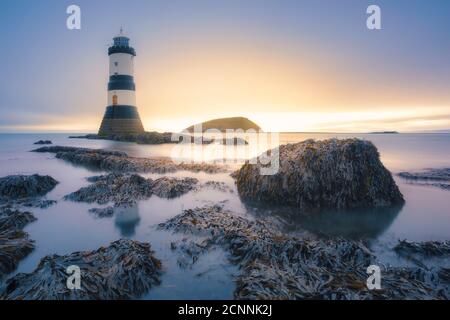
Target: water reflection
[354,224]
[127,219]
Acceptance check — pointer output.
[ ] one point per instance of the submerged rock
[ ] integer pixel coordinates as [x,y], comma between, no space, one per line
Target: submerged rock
[121,162]
[124,270]
[430,177]
[37,203]
[20,186]
[43,142]
[189,251]
[276,266]
[125,190]
[107,212]
[14,243]
[218,185]
[330,174]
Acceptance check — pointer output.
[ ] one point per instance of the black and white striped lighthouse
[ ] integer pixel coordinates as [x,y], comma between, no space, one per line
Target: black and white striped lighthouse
[121,116]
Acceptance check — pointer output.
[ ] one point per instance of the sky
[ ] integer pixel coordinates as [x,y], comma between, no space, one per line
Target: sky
[299,65]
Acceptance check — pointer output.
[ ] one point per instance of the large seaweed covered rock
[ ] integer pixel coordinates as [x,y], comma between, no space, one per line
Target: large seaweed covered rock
[20,186]
[124,270]
[330,174]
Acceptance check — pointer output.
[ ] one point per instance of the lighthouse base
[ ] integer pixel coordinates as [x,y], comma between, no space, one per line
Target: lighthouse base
[121,119]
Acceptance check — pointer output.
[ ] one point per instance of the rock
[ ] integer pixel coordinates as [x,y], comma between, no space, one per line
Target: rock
[331,174]
[189,251]
[115,187]
[107,212]
[173,187]
[120,162]
[14,243]
[124,270]
[430,177]
[125,190]
[20,186]
[276,266]
[36,203]
[140,138]
[424,249]
[218,185]
[223,124]
[155,138]
[43,142]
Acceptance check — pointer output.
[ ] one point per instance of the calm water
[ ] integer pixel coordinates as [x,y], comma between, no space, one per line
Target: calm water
[68,227]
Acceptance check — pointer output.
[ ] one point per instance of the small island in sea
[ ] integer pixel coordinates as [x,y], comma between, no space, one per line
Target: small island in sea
[224,124]
[384,132]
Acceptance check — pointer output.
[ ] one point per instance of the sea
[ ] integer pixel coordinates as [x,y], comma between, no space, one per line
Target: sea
[68,226]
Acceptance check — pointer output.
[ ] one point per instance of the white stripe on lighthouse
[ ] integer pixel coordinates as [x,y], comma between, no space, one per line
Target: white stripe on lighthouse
[121,64]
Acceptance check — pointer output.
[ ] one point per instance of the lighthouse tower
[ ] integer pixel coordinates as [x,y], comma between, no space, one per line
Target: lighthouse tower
[121,116]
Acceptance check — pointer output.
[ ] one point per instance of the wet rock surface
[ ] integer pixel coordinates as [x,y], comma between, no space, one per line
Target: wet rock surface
[218,185]
[423,249]
[125,190]
[115,187]
[42,142]
[169,188]
[439,178]
[330,174]
[155,138]
[276,266]
[107,212]
[121,162]
[124,270]
[14,243]
[21,186]
[188,251]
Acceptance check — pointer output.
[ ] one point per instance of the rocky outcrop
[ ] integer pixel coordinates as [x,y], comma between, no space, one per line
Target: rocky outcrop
[155,138]
[121,189]
[422,250]
[14,243]
[125,190]
[277,266]
[430,177]
[121,162]
[331,174]
[20,186]
[43,142]
[140,138]
[124,270]
[169,188]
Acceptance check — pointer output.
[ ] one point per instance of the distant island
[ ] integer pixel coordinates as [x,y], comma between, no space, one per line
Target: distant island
[384,132]
[223,124]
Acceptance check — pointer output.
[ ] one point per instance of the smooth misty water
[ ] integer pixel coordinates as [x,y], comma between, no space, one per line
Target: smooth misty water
[68,227]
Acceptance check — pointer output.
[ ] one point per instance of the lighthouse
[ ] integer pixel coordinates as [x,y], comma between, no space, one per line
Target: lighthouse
[121,116]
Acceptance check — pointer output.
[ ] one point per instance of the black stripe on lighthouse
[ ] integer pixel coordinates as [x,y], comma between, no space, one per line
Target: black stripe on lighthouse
[121,82]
